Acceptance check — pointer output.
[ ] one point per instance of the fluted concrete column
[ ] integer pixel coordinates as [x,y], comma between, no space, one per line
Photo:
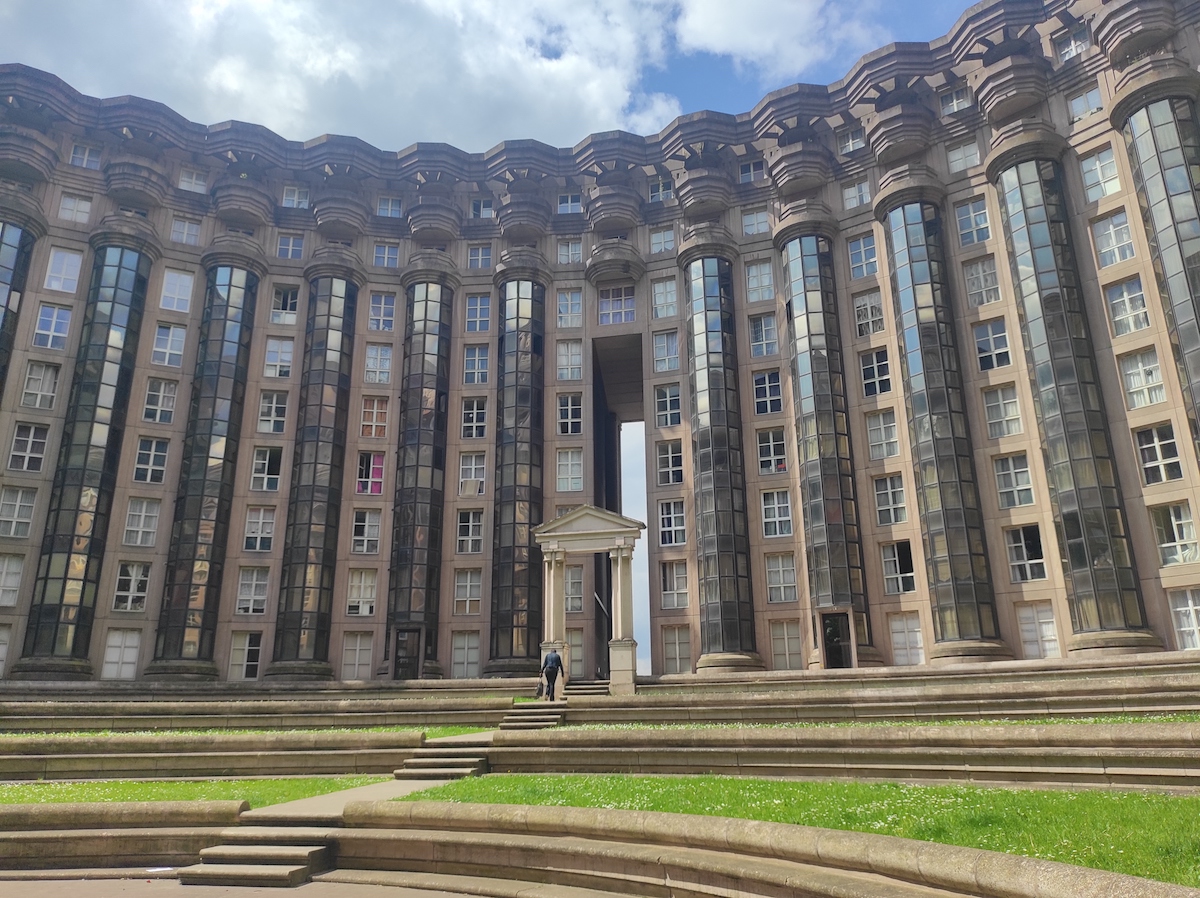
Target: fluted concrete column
[722,548]
[58,635]
[187,622]
[1103,592]
[303,623]
[417,520]
[960,579]
[825,465]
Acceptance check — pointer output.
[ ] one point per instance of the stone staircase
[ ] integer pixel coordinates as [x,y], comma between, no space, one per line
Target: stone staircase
[451,761]
[280,856]
[585,687]
[539,715]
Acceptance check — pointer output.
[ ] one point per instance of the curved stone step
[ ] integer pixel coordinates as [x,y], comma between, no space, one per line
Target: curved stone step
[280,875]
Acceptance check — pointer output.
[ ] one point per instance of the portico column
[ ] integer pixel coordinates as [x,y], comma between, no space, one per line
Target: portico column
[622,649]
[554,611]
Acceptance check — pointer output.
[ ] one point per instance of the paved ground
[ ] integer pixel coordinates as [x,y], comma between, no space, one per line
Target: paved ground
[171,888]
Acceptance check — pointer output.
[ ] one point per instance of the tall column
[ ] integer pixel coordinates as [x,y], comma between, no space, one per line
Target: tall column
[17,237]
[960,587]
[516,624]
[417,521]
[719,482]
[622,648]
[310,550]
[1089,513]
[825,469]
[1163,140]
[58,636]
[554,608]
[187,620]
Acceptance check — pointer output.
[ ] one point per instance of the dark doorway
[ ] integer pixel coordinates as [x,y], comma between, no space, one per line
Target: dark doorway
[836,630]
[408,654]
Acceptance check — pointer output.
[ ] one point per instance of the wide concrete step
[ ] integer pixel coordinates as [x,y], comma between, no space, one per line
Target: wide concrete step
[316,857]
[275,835]
[278,875]
[436,773]
[444,760]
[468,885]
[530,724]
[451,751]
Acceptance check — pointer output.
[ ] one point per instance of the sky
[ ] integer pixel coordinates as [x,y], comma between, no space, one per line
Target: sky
[471,73]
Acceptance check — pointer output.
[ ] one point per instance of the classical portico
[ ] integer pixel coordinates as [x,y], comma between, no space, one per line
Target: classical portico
[588,530]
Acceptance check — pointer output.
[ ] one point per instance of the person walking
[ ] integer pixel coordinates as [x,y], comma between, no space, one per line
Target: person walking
[551,668]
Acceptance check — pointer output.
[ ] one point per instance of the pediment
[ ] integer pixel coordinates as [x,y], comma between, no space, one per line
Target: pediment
[588,522]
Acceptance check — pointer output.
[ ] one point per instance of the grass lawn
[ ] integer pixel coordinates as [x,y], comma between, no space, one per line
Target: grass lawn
[1180,717]
[1143,834]
[260,793]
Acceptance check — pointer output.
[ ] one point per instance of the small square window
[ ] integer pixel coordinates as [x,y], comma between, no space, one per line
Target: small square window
[768,395]
[474,419]
[755,222]
[752,171]
[672,528]
[764,339]
[666,405]
[962,156]
[1142,378]
[665,305]
[868,314]
[662,240]
[370,474]
[29,447]
[382,316]
[570,360]
[570,413]
[889,500]
[41,385]
[62,275]
[670,462]
[570,308]
[374,417]
[278,361]
[53,325]
[850,139]
[1175,533]
[295,197]
[75,208]
[193,180]
[760,286]
[1003,412]
[83,156]
[479,257]
[856,194]
[661,191]
[260,528]
[475,364]
[882,439]
[898,575]
[389,207]
[1127,307]
[616,305]
[991,345]
[470,533]
[169,341]
[955,99]
[364,538]
[265,472]
[1072,43]
[772,456]
[479,310]
[1012,480]
[482,209]
[666,351]
[272,412]
[876,372]
[141,522]
[185,231]
[569,203]
[570,252]
[177,291]
[1085,103]
[972,222]
[160,401]
[982,284]
[16,511]
[1158,453]
[387,255]
[1100,178]
[150,466]
[291,246]
[862,256]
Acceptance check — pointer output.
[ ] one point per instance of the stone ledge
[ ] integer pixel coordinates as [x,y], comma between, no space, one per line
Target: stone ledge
[120,814]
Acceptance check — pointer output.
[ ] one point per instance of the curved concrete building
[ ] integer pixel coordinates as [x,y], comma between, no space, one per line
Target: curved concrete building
[917,355]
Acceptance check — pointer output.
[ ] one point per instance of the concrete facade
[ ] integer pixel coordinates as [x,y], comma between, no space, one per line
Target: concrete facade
[902,345]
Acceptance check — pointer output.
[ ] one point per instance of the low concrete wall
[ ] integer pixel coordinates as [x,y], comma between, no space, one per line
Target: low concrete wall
[119,814]
[617,850]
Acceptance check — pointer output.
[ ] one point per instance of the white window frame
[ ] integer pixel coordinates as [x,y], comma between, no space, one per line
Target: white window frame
[776,513]
[760,282]
[667,408]
[16,511]
[41,385]
[1175,533]
[141,522]
[254,585]
[672,526]
[863,258]
[468,590]
[570,359]
[272,411]
[666,351]
[362,587]
[1141,378]
[889,500]
[260,528]
[899,573]
[1014,483]
[366,525]
[1002,411]
[133,586]
[161,394]
[868,313]
[1113,238]
[673,585]
[279,357]
[983,284]
[1100,175]
[1158,453]
[781,577]
[62,273]
[1026,553]
[470,532]
[883,440]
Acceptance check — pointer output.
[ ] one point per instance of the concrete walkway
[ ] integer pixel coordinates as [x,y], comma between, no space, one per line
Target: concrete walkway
[172,888]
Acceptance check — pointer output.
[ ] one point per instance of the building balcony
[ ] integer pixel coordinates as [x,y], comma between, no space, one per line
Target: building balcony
[803,217]
[21,208]
[1011,85]
[135,181]
[703,192]
[26,155]
[131,231]
[336,261]
[431,266]
[523,214]
[614,260]
[236,250]
[614,208]
[435,218]
[1124,30]
[799,168]
[521,263]
[709,238]
[242,203]
[1151,78]
[341,214]
[900,132]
